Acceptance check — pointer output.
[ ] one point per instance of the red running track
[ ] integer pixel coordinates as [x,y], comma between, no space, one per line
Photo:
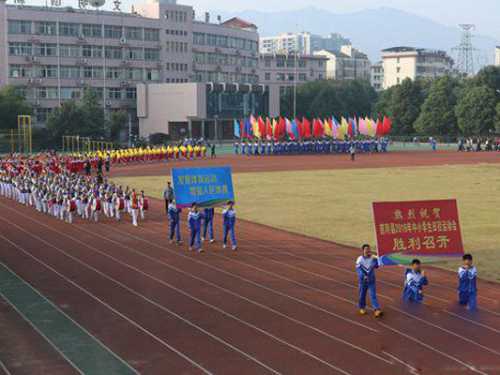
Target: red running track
[282,304]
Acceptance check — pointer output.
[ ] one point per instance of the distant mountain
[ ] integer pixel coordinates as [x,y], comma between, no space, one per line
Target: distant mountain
[369,30]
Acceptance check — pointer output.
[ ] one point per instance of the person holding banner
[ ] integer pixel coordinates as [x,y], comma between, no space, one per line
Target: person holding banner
[208,224]
[228,224]
[414,282]
[174,222]
[365,268]
[467,288]
[194,222]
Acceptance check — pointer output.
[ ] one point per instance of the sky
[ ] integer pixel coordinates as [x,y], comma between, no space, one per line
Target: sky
[483,13]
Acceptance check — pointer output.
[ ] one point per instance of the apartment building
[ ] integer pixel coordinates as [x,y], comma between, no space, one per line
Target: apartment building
[346,64]
[303,43]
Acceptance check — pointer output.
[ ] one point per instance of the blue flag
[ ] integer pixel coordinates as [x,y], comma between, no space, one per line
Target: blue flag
[237,133]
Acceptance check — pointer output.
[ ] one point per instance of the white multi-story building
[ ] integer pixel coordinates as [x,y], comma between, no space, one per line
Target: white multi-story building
[497,56]
[303,43]
[377,76]
[286,70]
[52,53]
[400,63]
[346,64]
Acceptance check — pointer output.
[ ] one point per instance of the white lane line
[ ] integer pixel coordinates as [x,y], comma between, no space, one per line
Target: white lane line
[135,324]
[430,347]
[213,307]
[35,328]
[472,321]
[4,368]
[413,370]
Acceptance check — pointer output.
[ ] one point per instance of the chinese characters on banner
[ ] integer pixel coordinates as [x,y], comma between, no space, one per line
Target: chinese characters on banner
[206,186]
[426,228]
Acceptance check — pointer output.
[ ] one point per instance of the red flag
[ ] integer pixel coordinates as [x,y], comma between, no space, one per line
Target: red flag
[317,128]
[380,130]
[387,125]
[242,129]
[299,127]
[262,127]
[269,128]
[306,126]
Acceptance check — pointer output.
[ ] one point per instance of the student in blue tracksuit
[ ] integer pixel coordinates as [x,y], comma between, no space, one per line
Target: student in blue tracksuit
[414,282]
[174,222]
[194,222]
[228,224]
[208,224]
[366,265]
[467,286]
[236,148]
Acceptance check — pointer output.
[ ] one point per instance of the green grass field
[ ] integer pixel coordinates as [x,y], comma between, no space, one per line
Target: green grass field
[336,205]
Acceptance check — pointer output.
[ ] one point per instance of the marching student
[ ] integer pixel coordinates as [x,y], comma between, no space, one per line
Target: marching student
[228,224]
[95,207]
[119,205]
[352,151]
[194,222]
[134,207]
[143,205]
[414,282]
[208,224]
[366,265]
[174,219]
[467,285]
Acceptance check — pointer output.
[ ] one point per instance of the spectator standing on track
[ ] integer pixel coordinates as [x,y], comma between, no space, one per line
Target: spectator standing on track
[467,287]
[228,224]
[366,265]
[212,151]
[414,282]
[352,151]
[194,223]
[168,195]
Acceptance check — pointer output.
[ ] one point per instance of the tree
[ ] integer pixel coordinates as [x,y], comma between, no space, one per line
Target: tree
[406,101]
[84,118]
[475,110]
[437,115]
[12,104]
[116,123]
[497,120]
[488,76]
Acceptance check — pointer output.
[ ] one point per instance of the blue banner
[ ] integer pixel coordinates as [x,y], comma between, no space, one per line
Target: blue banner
[207,187]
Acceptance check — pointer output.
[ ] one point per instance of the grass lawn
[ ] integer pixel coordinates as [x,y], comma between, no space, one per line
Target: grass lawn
[336,205]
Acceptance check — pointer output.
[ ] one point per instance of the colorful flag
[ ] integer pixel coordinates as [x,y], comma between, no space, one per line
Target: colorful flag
[269,129]
[327,128]
[306,127]
[295,130]
[387,125]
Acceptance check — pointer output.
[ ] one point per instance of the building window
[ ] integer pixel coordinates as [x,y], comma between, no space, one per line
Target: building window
[47,93]
[67,50]
[152,75]
[46,28]
[199,39]
[19,71]
[114,53]
[303,63]
[135,54]
[151,54]
[302,76]
[20,49]
[19,27]
[46,50]
[133,33]
[267,76]
[131,93]
[280,76]
[114,93]
[70,72]
[69,29]
[152,35]
[112,32]
[134,74]
[92,31]
[47,71]
[114,73]
[398,69]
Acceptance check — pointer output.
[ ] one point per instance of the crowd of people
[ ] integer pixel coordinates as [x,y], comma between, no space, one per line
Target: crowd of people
[478,144]
[318,146]
[45,183]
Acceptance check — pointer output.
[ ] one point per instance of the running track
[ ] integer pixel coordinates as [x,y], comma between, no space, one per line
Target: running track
[283,304]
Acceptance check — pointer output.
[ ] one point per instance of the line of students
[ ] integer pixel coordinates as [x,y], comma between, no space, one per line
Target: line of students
[414,282]
[201,223]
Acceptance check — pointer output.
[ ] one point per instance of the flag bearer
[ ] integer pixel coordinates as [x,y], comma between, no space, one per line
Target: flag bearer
[228,224]
[365,268]
[194,222]
[208,223]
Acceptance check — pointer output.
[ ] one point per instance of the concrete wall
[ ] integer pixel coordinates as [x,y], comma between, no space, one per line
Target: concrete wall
[4,67]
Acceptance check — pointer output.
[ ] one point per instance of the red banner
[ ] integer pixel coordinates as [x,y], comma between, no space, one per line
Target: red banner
[425,228]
